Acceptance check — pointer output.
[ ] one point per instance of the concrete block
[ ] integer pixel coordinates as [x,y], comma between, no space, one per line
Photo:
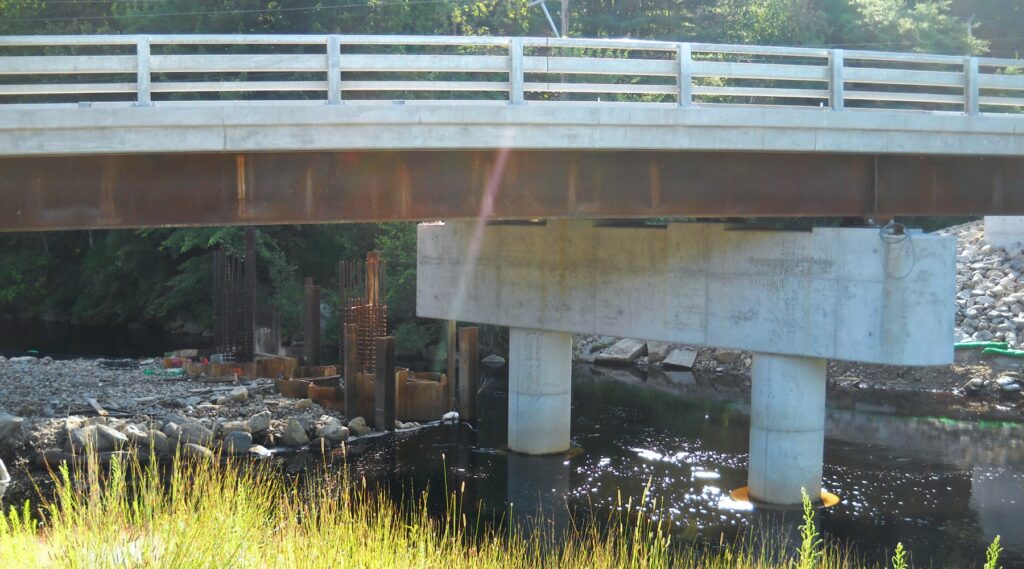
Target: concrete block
[1005,232]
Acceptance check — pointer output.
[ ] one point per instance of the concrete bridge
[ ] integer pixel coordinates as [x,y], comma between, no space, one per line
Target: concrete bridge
[528,147]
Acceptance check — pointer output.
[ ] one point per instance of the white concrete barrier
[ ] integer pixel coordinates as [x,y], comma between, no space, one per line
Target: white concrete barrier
[1005,232]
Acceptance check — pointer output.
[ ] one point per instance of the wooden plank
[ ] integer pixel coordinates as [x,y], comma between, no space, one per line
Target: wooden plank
[1002,101]
[904,97]
[738,70]
[904,77]
[48,40]
[903,57]
[66,64]
[66,88]
[448,62]
[180,63]
[469,372]
[96,407]
[424,86]
[599,66]
[384,385]
[709,90]
[993,81]
[236,86]
[623,88]
[424,40]
[587,43]
[760,50]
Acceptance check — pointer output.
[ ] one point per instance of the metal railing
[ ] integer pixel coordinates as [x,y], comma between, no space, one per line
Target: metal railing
[166,69]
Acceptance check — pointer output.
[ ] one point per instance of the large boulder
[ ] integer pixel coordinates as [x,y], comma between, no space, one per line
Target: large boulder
[237,442]
[623,352]
[193,432]
[358,427]
[333,431]
[87,439]
[294,434]
[238,394]
[159,441]
[259,422]
[111,438]
[10,429]
[680,358]
[231,427]
[192,450]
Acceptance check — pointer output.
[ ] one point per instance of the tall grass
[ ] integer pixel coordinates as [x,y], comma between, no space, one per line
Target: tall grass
[209,515]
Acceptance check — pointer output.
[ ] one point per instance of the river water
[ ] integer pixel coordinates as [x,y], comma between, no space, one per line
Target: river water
[945,488]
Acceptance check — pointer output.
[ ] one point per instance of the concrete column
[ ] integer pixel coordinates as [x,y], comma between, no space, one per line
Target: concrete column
[787,428]
[539,390]
[1005,231]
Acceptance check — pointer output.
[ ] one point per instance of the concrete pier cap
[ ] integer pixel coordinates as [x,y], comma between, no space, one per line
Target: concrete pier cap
[795,298]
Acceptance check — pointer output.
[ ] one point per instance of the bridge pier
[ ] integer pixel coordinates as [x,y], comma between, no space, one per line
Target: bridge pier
[794,298]
[787,428]
[539,391]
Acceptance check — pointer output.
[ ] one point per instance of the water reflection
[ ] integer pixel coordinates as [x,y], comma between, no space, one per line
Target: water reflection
[944,488]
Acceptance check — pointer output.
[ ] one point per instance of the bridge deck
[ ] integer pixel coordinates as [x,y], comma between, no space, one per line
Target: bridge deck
[120,131]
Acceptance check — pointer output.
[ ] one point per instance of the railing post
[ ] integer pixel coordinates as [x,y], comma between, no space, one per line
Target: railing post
[142,81]
[835,83]
[684,55]
[972,93]
[333,70]
[516,95]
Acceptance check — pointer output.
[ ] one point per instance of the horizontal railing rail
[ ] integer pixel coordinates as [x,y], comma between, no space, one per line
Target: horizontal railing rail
[148,70]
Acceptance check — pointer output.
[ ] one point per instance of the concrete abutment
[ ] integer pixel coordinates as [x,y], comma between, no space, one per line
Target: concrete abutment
[794,298]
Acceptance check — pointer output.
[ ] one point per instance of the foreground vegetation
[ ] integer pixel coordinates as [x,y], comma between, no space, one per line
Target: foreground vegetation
[207,515]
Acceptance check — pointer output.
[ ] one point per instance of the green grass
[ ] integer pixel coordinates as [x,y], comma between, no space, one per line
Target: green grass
[203,514]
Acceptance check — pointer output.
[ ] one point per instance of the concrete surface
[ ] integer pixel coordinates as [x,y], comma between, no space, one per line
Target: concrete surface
[839,293]
[787,428]
[1005,231]
[312,125]
[539,391]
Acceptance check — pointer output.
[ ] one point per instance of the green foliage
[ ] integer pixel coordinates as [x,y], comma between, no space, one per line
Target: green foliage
[992,555]
[397,245]
[899,557]
[810,552]
[912,26]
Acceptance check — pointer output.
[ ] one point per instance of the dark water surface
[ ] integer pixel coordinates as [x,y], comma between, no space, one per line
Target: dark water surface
[944,488]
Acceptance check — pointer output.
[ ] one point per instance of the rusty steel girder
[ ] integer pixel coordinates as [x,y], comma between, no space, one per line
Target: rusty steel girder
[113,191]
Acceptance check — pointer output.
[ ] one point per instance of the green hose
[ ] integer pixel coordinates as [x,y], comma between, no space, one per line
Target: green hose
[983,345]
[1002,352]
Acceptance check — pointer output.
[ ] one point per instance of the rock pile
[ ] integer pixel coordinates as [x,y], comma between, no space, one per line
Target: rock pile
[45,413]
[609,351]
[989,295]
